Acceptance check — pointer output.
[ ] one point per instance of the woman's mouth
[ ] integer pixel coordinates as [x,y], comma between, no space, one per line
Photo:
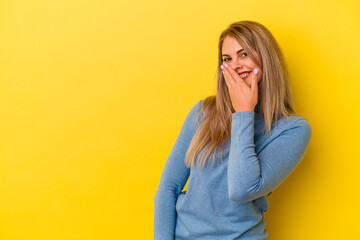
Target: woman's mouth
[244,75]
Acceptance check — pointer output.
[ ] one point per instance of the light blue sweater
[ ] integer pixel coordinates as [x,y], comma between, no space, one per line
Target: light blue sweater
[227,200]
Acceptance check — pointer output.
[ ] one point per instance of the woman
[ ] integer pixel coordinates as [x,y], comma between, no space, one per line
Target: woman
[252,119]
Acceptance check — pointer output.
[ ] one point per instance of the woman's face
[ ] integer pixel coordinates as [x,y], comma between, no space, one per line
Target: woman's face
[238,59]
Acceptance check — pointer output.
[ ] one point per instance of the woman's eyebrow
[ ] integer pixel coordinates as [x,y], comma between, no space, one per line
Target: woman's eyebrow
[236,52]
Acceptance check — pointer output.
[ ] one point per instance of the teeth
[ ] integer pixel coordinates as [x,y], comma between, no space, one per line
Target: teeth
[244,75]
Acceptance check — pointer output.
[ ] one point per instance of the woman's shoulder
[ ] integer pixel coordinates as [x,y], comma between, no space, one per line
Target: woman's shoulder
[293,123]
[199,103]
[296,119]
[194,113]
[197,106]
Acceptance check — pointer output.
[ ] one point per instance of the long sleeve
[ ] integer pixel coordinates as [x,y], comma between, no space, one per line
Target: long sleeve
[251,176]
[173,179]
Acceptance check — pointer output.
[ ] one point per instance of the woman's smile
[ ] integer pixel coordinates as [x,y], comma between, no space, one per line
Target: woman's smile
[244,75]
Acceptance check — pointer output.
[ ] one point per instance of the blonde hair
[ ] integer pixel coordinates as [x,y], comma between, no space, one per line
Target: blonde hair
[274,99]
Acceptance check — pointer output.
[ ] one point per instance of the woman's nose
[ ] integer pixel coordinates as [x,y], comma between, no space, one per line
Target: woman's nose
[236,64]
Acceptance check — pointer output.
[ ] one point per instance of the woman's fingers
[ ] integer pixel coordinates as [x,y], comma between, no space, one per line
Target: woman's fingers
[254,79]
[231,76]
[235,76]
[228,78]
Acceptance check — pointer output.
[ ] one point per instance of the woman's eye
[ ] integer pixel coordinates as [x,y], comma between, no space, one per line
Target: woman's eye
[225,59]
[243,54]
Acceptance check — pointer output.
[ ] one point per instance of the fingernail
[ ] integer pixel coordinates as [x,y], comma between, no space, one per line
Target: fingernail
[256,71]
[226,65]
[223,72]
[222,67]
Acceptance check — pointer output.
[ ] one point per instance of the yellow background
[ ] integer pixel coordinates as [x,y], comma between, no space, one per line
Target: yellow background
[93,95]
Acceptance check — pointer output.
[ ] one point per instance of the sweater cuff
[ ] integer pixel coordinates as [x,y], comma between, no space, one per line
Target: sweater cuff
[242,127]
[243,114]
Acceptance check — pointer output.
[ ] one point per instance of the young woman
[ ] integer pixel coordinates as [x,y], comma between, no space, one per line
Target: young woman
[252,120]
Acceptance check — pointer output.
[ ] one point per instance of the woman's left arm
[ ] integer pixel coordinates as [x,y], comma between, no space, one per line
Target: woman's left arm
[251,176]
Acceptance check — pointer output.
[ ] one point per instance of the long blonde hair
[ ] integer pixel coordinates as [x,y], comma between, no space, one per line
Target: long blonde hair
[274,99]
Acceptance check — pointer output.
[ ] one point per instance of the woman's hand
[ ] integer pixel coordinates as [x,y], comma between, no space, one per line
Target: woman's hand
[243,97]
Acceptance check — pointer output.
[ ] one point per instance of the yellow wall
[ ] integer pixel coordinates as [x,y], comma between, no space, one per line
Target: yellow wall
[93,95]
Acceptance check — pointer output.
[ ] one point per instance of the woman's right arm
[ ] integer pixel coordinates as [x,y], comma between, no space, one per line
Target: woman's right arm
[173,180]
